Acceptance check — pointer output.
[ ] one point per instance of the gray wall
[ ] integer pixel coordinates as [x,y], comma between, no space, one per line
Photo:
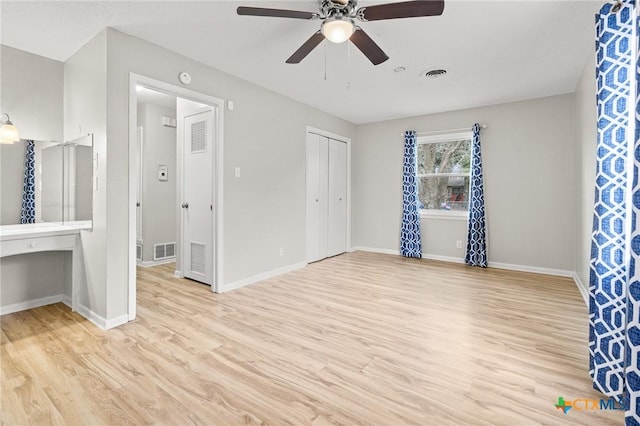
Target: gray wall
[264,135]
[83,182]
[33,276]
[31,92]
[586,142]
[11,181]
[158,197]
[529,169]
[85,104]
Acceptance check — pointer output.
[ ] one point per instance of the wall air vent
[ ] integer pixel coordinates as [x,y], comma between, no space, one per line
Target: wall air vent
[164,251]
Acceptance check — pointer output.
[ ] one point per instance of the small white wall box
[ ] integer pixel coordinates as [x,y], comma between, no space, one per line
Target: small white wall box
[163,172]
[169,122]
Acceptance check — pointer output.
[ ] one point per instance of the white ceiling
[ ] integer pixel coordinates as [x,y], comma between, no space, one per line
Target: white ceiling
[494,51]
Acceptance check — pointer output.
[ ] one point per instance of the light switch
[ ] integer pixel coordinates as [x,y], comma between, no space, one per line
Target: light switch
[163,172]
[230,105]
[237,172]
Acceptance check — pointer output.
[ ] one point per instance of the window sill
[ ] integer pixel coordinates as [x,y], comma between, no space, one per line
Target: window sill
[444,214]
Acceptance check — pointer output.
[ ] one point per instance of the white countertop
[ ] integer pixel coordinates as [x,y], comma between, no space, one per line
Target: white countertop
[44,229]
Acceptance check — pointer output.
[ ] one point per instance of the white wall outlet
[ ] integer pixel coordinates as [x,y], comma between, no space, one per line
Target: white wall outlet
[459,244]
[281,251]
[230,105]
[237,172]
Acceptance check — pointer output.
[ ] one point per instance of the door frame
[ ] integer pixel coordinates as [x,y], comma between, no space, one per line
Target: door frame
[334,136]
[218,173]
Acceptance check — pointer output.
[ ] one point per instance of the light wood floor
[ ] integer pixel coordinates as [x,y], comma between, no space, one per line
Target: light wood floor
[358,339]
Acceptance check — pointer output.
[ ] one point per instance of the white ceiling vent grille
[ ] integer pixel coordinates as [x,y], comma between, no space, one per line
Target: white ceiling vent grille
[199,136]
[435,73]
[197,258]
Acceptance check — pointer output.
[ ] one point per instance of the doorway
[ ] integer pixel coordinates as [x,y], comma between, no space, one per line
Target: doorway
[190,137]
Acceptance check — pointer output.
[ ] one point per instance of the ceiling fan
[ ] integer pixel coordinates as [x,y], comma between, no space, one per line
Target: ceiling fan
[338,22]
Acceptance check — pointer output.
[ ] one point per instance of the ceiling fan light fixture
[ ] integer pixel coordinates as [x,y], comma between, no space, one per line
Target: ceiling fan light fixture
[338,29]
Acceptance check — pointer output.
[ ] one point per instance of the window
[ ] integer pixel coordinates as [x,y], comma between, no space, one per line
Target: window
[444,166]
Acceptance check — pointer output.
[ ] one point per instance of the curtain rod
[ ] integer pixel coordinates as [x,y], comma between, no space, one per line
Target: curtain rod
[435,132]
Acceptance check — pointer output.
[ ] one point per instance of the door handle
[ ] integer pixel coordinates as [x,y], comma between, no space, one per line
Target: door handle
[137,204]
[185,205]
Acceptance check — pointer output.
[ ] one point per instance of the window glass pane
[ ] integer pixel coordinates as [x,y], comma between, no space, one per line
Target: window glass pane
[444,192]
[444,157]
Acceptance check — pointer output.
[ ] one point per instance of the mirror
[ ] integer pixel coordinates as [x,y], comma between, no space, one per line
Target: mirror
[62,184]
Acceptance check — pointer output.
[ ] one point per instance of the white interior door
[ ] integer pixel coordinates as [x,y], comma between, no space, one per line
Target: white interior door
[197,197]
[337,198]
[317,161]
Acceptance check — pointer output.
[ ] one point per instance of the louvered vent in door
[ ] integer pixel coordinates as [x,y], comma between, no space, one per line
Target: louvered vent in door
[197,258]
[199,136]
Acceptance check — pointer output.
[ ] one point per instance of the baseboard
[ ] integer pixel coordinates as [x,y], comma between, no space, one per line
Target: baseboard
[583,289]
[497,265]
[442,258]
[67,300]
[117,321]
[376,250]
[261,277]
[150,263]
[30,304]
[533,269]
[100,321]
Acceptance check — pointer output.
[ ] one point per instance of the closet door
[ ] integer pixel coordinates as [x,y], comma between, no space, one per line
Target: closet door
[317,189]
[337,194]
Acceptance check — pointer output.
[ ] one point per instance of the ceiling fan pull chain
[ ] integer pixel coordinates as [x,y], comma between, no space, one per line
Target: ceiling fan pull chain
[348,66]
[325,60]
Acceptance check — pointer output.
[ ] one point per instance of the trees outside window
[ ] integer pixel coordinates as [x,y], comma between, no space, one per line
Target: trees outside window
[444,168]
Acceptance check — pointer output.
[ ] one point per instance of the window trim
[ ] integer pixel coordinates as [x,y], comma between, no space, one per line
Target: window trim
[442,138]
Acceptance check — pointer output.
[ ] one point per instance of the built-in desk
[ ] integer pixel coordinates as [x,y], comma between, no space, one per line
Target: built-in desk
[39,237]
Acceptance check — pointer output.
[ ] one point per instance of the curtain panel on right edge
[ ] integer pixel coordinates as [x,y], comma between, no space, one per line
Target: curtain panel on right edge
[614,279]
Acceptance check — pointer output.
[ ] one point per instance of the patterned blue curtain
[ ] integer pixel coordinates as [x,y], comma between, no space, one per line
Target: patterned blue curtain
[476,229]
[632,353]
[28,212]
[410,239]
[614,279]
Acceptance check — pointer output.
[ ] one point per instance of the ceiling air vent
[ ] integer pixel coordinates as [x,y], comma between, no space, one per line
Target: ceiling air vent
[435,73]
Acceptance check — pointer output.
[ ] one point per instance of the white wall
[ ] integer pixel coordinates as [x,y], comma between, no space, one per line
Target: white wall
[31,92]
[586,143]
[85,103]
[158,197]
[529,169]
[264,135]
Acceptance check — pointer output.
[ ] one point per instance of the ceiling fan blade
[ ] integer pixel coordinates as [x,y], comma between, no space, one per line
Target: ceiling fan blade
[276,13]
[369,47]
[407,9]
[306,48]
